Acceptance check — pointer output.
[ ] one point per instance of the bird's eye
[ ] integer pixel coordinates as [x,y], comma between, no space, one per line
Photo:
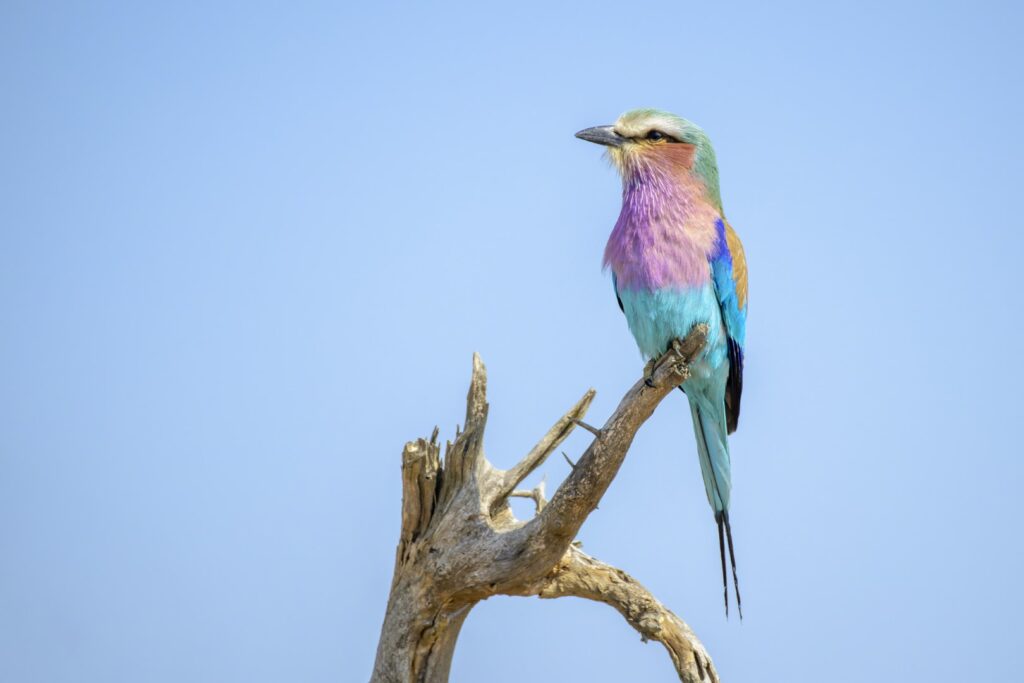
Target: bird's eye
[655,135]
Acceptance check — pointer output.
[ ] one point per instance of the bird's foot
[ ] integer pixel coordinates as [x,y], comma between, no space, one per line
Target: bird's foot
[674,356]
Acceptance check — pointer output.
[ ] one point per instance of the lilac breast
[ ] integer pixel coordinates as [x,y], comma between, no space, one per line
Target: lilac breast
[664,234]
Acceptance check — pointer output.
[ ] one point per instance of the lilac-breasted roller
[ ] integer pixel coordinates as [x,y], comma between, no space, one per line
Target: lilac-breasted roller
[677,262]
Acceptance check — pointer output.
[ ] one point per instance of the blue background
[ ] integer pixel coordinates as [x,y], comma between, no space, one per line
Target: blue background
[246,252]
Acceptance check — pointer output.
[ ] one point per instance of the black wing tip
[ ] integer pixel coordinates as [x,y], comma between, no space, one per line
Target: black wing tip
[733,387]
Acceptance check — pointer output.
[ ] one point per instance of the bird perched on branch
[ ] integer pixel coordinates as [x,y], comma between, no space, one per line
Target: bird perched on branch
[677,262]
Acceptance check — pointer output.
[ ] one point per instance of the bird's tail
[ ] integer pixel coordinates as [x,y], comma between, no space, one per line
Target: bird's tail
[713,448]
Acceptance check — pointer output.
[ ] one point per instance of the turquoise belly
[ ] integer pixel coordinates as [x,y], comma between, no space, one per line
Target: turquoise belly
[657,317]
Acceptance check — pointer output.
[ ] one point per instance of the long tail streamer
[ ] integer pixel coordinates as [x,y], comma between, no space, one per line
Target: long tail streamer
[732,559]
[721,551]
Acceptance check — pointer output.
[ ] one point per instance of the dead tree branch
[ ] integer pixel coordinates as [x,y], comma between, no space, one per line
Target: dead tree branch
[460,542]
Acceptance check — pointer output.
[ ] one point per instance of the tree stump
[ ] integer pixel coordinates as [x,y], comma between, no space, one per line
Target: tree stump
[460,542]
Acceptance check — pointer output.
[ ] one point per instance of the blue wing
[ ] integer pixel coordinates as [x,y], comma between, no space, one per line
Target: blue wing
[729,272]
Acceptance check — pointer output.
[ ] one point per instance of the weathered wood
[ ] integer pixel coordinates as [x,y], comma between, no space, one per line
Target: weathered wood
[580,575]
[460,543]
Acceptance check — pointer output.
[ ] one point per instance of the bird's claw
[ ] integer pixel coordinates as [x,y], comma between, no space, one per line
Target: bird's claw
[679,367]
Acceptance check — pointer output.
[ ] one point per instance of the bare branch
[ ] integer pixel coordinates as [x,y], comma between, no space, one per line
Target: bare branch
[545,447]
[464,456]
[583,576]
[476,399]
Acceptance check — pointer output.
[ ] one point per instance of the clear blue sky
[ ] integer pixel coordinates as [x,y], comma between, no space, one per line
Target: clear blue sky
[246,252]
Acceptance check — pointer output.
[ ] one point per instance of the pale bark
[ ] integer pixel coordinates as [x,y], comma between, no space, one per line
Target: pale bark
[460,542]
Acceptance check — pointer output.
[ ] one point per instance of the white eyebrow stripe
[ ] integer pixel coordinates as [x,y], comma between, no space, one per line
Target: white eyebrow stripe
[640,126]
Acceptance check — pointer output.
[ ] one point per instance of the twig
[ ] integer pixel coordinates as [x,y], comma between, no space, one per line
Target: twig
[593,430]
[536,493]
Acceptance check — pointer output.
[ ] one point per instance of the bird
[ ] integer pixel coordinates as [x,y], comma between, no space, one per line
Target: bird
[676,262]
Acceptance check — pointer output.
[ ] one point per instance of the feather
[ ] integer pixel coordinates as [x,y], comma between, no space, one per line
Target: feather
[732,559]
[734,385]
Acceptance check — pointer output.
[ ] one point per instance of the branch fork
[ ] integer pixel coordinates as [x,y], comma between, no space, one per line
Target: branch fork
[460,542]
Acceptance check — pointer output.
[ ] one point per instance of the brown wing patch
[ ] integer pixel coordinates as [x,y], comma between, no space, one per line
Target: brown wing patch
[739,265]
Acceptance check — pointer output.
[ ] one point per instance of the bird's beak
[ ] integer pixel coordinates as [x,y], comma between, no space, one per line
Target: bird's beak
[602,135]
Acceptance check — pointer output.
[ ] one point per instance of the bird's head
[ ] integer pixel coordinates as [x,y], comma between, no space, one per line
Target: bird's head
[645,141]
